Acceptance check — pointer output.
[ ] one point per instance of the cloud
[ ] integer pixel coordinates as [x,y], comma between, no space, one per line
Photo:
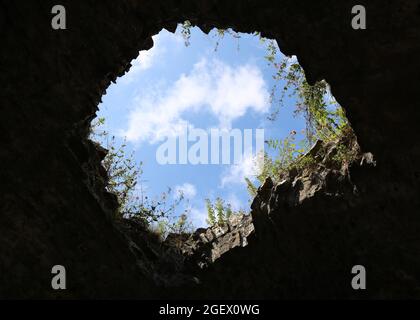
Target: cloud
[198,217]
[144,61]
[188,190]
[147,58]
[235,203]
[226,92]
[248,168]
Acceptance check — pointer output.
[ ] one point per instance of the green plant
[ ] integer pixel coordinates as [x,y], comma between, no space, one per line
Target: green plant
[252,189]
[122,171]
[220,211]
[229,212]
[124,181]
[172,225]
[211,216]
[186,32]
[345,154]
[324,117]
[182,225]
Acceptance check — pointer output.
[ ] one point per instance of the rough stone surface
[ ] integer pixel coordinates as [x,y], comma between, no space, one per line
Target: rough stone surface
[54,208]
[205,246]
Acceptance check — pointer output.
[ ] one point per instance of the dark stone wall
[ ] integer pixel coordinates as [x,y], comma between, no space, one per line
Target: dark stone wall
[54,208]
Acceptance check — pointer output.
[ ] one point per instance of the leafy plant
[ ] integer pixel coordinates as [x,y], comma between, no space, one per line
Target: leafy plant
[186,32]
[252,189]
[219,213]
[220,210]
[124,180]
[229,211]
[325,119]
[211,216]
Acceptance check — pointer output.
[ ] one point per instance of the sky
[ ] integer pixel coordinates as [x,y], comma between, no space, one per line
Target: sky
[172,87]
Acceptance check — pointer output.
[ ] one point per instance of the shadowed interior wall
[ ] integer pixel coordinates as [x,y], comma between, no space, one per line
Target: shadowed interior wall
[54,208]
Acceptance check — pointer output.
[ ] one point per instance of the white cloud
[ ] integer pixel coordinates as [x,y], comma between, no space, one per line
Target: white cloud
[248,168]
[198,217]
[227,92]
[147,58]
[188,190]
[144,61]
[235,203]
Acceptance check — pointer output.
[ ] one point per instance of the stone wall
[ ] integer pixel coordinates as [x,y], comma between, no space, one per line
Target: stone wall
[54,208]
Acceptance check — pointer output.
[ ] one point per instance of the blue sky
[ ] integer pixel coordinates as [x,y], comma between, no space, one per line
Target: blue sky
[170,86]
